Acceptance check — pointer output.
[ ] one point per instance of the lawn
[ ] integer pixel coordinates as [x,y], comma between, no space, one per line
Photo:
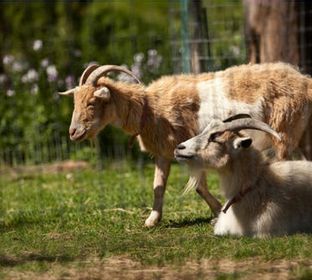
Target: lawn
[89,225]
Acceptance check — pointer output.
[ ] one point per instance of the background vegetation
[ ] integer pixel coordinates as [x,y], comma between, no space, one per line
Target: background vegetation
[45,45]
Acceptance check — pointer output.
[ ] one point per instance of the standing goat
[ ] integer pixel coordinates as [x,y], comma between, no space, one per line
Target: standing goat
[176,108]
[263,199]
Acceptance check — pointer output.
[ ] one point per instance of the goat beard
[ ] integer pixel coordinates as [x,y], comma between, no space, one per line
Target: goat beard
[192,183]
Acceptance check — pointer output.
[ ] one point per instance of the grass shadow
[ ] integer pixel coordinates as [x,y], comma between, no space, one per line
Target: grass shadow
[17,225]
[8,261]
[31,218]
[189,222]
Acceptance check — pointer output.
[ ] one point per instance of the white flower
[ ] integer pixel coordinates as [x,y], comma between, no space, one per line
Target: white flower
[10,92]
[17,66]
[235,50]
[34,89]
[44,63]
[30,77]
[139,57]
[123,77]
[154,60]
[8,59]
[137,70]
[52,73]
[25,78]
[37,45]
[3,78]
[70,81]
[152,52]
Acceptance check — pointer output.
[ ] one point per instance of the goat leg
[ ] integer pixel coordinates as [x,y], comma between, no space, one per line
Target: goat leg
[202,190]
[162,170]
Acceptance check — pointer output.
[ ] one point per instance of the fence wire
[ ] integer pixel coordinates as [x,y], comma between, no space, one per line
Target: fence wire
[203,36]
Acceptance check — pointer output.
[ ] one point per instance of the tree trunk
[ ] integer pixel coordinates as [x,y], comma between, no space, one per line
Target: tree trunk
[280,30]
[272,31]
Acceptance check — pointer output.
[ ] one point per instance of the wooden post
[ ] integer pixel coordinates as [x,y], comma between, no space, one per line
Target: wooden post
[199,37]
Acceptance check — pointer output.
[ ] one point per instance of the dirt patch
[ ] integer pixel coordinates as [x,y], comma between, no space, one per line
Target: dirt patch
[124,268]
[49,168]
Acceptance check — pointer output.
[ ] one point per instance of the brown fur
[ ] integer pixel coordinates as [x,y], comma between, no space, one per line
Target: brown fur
[167,114]
[172,104]
[172,115]
[286,94]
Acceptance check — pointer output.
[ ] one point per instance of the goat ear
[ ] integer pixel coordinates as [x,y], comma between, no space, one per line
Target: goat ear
[69,92]
[242,142]
[102,93]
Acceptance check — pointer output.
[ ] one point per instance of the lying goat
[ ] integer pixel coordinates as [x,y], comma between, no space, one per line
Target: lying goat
[264,198]
[175,108]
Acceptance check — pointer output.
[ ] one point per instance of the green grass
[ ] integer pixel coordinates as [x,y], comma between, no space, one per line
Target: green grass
[66,218]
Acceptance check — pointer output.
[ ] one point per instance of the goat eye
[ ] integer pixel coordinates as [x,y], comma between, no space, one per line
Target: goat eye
[213,137]
[91,103]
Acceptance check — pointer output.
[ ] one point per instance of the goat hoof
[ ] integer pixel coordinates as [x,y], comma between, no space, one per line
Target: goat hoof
[153,219]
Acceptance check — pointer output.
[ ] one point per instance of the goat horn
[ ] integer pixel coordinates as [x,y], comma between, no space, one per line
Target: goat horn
[69,92]
[102,70]
[86,73]
[240,124]
[236,117]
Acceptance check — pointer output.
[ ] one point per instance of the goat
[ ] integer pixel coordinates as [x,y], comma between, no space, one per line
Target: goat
[264,199]
[175,108]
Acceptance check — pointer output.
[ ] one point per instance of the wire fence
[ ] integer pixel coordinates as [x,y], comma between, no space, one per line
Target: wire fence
[203,36]
[206,36]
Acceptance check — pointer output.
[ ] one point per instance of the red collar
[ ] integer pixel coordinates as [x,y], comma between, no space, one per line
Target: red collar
[237,198]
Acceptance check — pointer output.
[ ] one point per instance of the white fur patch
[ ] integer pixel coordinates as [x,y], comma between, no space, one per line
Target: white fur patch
[227,224]
[214,103]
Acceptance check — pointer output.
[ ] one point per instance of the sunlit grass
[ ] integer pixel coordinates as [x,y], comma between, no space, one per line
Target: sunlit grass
[75,216]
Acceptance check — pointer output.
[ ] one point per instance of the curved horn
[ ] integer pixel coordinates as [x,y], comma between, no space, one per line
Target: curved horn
[69,92]
[102,70]
[236,117]
[240,124]
[86,73]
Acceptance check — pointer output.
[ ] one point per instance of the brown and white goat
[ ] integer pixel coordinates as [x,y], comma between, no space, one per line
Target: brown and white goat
[263,199]
[175,108]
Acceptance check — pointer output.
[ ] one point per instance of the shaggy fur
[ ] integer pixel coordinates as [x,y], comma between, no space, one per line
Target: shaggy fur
[277,196]
[178,107]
